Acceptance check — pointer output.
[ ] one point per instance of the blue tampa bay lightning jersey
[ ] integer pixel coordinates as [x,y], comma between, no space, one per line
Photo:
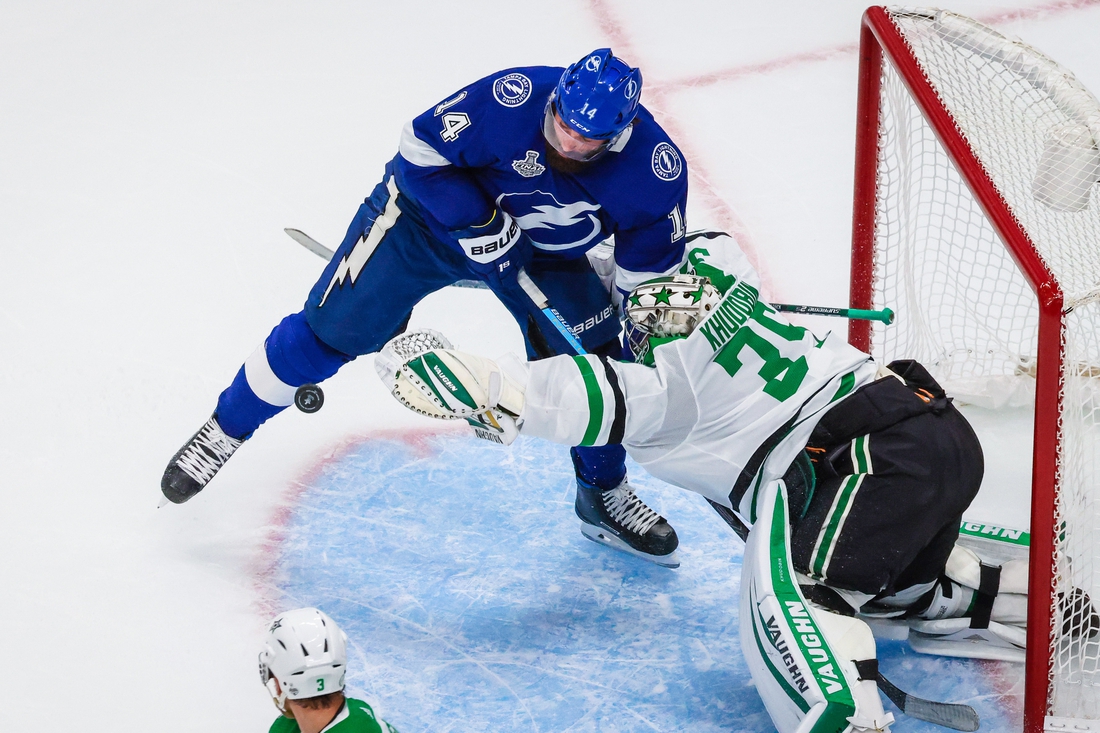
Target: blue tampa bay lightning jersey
[483,147]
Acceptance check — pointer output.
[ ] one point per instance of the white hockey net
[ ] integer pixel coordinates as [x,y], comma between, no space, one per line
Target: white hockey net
[964,307]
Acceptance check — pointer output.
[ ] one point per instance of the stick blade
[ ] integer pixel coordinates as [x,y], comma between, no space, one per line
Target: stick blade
[949,715]
[946,714]
[309,243]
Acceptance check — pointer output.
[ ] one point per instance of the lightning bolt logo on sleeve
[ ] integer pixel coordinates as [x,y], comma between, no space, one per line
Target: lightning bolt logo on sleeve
[352,263]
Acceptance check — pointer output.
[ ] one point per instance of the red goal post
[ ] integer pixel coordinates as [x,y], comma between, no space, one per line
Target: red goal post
[1012,211]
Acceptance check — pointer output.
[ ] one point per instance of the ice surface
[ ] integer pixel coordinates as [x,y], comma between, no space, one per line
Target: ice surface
[150,155]
[474,603]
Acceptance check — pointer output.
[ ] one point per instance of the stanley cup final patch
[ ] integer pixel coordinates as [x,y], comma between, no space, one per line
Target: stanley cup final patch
[512,90]
[529,167]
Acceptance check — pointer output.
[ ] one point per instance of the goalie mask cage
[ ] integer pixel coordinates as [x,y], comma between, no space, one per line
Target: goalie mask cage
[977,221]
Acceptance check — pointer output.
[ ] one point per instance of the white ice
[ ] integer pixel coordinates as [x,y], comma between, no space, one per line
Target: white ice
[151,153]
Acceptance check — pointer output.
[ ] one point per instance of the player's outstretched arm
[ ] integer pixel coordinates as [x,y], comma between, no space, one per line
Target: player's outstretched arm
[572,400]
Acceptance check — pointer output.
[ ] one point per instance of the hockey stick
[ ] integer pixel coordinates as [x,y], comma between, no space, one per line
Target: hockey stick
[885,315]
[949,715]
[543,304]
[326,254]
[533,292]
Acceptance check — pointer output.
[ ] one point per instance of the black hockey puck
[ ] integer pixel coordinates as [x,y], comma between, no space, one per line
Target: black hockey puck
[309,398]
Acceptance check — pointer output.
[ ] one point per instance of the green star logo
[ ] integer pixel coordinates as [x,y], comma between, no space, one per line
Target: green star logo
[636,300]
[697,295]
[663,296]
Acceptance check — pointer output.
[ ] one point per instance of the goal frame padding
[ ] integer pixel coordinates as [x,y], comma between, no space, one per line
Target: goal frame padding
[879,41]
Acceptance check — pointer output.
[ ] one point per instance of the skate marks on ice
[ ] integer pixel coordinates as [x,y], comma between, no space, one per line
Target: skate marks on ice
[473,602]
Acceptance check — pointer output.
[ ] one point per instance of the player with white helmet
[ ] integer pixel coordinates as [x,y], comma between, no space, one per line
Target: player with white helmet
[303,665]
[847,480]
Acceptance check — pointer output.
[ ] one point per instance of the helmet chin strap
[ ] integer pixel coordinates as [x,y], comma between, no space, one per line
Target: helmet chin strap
[277,695]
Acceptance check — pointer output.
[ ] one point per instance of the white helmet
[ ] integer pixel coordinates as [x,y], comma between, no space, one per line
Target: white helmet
[306,652]
[666,308]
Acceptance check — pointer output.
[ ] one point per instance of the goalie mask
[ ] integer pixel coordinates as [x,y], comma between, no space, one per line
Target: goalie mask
[306,652]
[664,309]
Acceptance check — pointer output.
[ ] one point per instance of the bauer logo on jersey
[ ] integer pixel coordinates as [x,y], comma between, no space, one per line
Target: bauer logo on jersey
[512,90]
[666,162]
[529,167]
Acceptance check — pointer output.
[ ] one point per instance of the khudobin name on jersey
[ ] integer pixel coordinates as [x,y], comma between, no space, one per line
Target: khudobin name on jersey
[745,377]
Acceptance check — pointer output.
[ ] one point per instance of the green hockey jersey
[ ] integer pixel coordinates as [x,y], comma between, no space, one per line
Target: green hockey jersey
[355,717]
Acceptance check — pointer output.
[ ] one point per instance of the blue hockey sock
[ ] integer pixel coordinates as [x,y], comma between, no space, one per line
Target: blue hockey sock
[601,466]
[290,357]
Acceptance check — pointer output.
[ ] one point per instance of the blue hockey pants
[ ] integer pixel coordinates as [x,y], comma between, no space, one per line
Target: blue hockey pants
[387,263]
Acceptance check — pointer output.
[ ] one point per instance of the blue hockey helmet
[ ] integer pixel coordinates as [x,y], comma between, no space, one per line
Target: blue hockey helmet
[598,96]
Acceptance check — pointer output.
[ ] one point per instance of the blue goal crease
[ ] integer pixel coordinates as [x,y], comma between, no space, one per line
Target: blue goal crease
[473,602]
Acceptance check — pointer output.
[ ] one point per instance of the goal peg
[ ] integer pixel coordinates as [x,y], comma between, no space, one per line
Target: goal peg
[885,315]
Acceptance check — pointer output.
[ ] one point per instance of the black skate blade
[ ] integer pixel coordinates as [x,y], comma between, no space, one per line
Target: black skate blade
[602,537]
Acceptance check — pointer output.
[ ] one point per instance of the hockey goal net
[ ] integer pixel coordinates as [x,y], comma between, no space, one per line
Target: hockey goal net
[977,221]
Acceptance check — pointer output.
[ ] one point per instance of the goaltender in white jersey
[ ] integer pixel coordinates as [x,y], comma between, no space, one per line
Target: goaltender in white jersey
[847,479]
[699,416]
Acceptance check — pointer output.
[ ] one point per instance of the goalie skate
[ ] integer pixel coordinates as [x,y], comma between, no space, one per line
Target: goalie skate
[618,519]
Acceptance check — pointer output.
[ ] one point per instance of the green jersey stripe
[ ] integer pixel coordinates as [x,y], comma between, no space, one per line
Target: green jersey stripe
[861,454]
[595,401]
[847,382]
[826,540]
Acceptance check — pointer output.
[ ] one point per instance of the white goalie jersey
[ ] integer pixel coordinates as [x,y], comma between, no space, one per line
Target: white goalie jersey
[732,403]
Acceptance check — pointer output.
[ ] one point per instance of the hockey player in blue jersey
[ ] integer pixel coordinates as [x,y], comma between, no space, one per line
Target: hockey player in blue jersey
[511,180]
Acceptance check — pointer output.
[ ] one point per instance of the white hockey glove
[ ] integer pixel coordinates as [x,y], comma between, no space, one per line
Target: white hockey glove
[429,378]
[405,346]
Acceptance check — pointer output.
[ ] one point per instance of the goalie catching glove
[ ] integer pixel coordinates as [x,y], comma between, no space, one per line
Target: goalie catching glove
[425,375]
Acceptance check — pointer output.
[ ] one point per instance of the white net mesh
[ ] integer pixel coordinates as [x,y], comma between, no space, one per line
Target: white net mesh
[963,306]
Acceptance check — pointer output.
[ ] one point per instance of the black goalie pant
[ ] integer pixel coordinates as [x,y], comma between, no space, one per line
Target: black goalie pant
[896,465]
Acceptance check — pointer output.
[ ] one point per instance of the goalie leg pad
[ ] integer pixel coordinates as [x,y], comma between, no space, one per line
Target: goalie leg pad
[802,659]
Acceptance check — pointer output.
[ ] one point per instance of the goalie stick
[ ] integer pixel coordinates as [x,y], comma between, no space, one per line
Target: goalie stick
[858,314]
[949,715]
[885,315]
